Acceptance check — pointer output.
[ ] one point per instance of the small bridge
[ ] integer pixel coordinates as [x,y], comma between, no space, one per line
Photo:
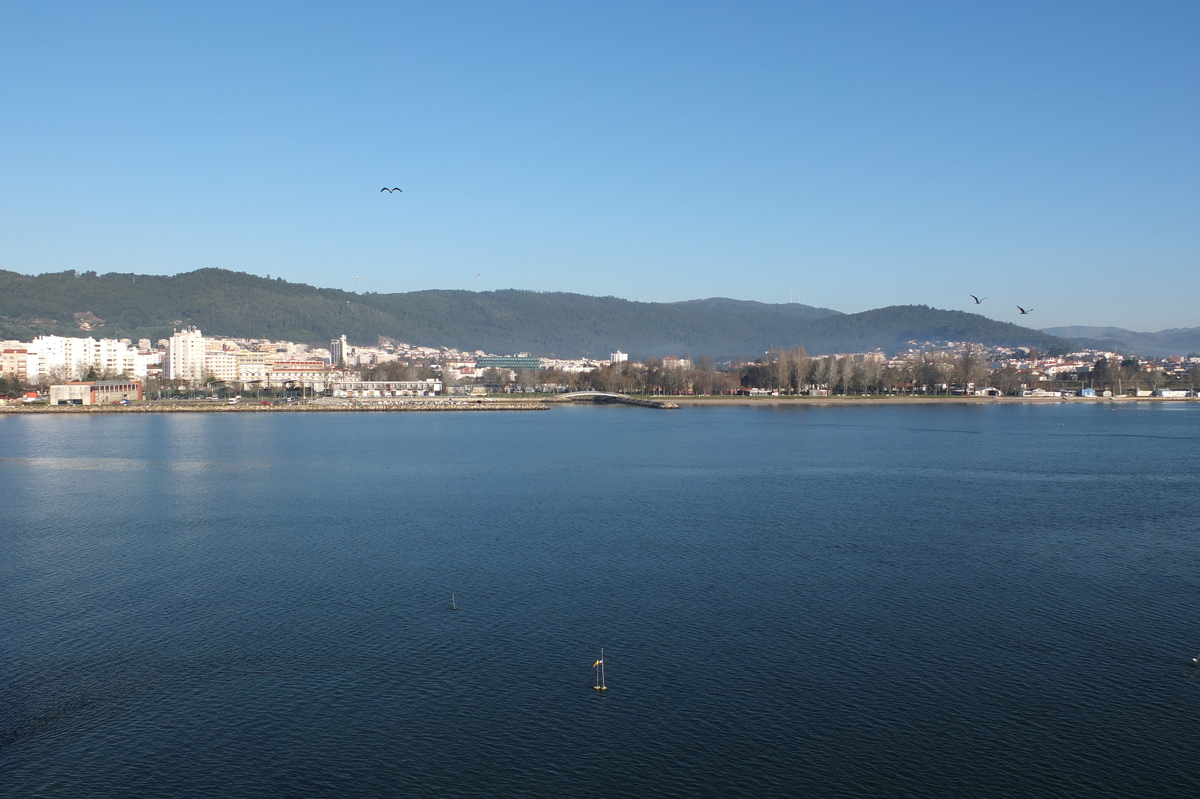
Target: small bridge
[608,396]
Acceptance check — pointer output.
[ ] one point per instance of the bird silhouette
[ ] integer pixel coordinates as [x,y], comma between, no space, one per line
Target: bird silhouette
[478,274]
[978,300]
[389,191]
[1022,310]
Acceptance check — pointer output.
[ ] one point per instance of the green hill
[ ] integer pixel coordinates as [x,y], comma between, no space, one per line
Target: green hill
[891,329]
[221,302]
[1176,341]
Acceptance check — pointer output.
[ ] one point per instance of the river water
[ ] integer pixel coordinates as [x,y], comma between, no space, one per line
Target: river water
[925,601]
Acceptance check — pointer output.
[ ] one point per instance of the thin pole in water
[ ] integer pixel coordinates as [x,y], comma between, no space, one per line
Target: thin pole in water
[599,666]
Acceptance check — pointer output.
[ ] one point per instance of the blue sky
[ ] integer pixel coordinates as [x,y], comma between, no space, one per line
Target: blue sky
[848,155]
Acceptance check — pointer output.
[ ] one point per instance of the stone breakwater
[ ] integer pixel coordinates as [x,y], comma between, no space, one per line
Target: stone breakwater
[292,407]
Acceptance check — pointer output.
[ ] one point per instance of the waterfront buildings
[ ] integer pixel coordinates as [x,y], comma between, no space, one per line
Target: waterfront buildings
[522,361]
[386,388]
[59,358]
[189,360]
[99,392]
[303,375]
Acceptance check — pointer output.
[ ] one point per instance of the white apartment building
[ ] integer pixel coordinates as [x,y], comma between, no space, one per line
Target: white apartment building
[253,371]
[112,357]
[240,365]
[300,374]
[184,359]
[221,364]
[68,357]
[71,358]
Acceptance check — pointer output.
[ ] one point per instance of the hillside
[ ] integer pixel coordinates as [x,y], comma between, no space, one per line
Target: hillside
[893,327]
[1176,341]
[578,325]
[227,303]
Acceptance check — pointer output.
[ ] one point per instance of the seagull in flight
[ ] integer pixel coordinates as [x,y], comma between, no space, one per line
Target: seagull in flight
[478,275]
[1022,310]
[978,300]
[389,191]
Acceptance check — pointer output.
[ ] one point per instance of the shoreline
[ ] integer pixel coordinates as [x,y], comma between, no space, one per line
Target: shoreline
[432,406]
[911,400]
[544,403]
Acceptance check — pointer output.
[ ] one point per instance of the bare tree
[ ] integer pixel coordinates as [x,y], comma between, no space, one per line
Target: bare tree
[494,376]
[527,379]
[801,366]
[969,367]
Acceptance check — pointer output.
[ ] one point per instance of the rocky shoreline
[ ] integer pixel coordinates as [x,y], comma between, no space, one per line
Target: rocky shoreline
[291,407]
[907,399]
[326,405]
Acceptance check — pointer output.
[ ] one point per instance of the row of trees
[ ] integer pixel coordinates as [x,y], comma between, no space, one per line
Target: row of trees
[794,372]
[1122,375]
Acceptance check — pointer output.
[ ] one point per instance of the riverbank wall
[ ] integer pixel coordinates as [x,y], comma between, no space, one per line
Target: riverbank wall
[314,406]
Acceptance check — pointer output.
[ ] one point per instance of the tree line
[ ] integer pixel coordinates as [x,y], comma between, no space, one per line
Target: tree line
[794,371]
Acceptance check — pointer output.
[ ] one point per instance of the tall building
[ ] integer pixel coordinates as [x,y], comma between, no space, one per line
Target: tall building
[184,359]
[339,352]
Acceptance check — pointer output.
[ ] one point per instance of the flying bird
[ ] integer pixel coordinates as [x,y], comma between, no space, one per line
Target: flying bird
[1022,310]
[478,275]
[978,300]
[389,191]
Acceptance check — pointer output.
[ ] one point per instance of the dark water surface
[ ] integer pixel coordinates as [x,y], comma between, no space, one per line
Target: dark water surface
[996,601]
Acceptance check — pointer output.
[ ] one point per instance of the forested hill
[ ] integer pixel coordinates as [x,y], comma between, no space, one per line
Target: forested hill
[891,328]
[1176,341]
[236,304]
[574,325]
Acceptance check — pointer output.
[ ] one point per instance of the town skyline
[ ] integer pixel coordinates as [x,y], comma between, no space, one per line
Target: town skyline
[189,361]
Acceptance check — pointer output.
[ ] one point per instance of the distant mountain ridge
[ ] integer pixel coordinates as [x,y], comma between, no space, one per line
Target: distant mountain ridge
[1175,341]
[237,304]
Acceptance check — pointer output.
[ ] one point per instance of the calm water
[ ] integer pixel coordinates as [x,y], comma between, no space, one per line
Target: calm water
[993,601]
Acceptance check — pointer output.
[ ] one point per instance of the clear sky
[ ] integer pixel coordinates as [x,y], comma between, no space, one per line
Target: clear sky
[848,155]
